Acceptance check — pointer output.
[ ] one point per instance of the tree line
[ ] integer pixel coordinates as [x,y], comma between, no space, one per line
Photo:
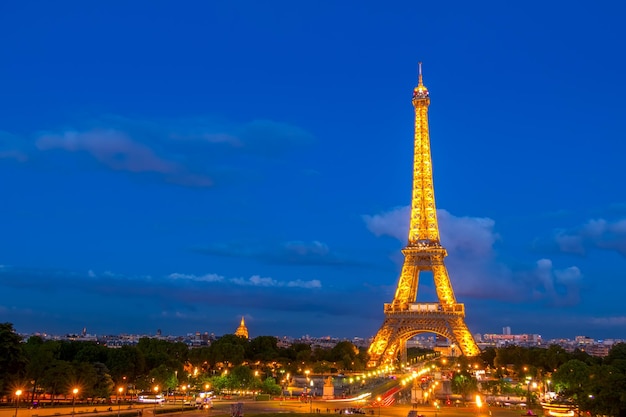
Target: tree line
[56,367]
[594,384]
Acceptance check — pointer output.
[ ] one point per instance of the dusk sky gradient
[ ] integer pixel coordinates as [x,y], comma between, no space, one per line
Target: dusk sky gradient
[178,165]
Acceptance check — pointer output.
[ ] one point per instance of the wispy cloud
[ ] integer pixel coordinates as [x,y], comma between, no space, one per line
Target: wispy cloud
[314,253]
[472,261]
[189,152]
[184,298]
[597,233]
[201,278]
[110,147]
[257,280]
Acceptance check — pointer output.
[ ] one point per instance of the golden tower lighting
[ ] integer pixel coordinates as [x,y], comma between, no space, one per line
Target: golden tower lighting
[404,317]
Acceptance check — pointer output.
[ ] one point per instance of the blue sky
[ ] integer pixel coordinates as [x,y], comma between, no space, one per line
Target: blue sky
[178,165]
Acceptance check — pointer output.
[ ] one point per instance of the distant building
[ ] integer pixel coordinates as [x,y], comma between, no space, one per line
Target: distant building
[498,340]
[242,330]
[506,330]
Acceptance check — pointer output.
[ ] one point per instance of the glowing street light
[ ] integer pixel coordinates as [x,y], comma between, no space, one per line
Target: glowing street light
[119,402]
[17,400]
[74,392]
[378,400]
[182,402]
[156,390]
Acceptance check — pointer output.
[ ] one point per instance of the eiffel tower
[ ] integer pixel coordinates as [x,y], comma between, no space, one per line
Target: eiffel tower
[404,317]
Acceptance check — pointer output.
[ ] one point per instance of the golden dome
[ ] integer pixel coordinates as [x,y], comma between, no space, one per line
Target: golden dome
[242,330]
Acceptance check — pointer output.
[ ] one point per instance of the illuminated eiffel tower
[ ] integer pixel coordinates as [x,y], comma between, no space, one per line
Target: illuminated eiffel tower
[404,317]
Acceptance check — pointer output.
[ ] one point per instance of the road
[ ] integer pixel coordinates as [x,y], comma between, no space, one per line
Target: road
[222,408]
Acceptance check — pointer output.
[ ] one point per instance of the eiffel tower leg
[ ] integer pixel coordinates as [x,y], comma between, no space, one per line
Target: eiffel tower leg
[463,337]
[385,344]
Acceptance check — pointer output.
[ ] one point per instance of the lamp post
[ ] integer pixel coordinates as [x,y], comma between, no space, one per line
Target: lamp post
[74,392]
[378,400]
[18,393]
[207,399]
[156,390]
[119,403]
[182,402]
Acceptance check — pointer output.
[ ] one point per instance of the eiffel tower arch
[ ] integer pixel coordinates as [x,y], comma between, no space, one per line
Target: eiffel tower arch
[404,317]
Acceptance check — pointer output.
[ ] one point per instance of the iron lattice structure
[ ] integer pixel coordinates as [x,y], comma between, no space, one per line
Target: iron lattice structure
[404,317]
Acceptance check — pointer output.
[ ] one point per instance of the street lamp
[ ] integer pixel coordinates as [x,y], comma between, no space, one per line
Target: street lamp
[17,400]
[378,400]
[119,403]
[182,402]
[74,392]
[528,382]
[156,390]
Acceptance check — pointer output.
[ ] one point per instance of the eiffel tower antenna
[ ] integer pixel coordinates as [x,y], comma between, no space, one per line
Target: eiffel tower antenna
[419,74]
[404,317]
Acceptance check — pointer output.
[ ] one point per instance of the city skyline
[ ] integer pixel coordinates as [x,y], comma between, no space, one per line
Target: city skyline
[177,167]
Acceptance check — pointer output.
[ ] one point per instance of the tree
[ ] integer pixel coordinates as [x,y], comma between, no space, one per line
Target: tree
[464,384]
[126,362]
[40,356]
[241,377]
[200,357]
[58,378]
[161,352]
[219,383]
[262,348]
[229,350]
[269,386]
[12,358]
[571,379]
[164,377]
[104,386]
[347,354]
[85,379]
[606,388]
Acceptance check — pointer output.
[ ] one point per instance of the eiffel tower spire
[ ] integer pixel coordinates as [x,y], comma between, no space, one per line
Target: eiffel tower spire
[424,229]
[404,317]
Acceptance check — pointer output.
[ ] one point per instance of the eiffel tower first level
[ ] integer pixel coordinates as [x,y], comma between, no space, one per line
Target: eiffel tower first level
[404,317]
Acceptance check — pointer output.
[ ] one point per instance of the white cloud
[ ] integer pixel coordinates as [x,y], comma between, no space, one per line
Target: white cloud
[259,281]
[596,233]
[305,284]
[618,227]
[570,243]
[394,223]
[470,235]
[110,147]
[568,275]
[595,227]
[472,265]
[201,278]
